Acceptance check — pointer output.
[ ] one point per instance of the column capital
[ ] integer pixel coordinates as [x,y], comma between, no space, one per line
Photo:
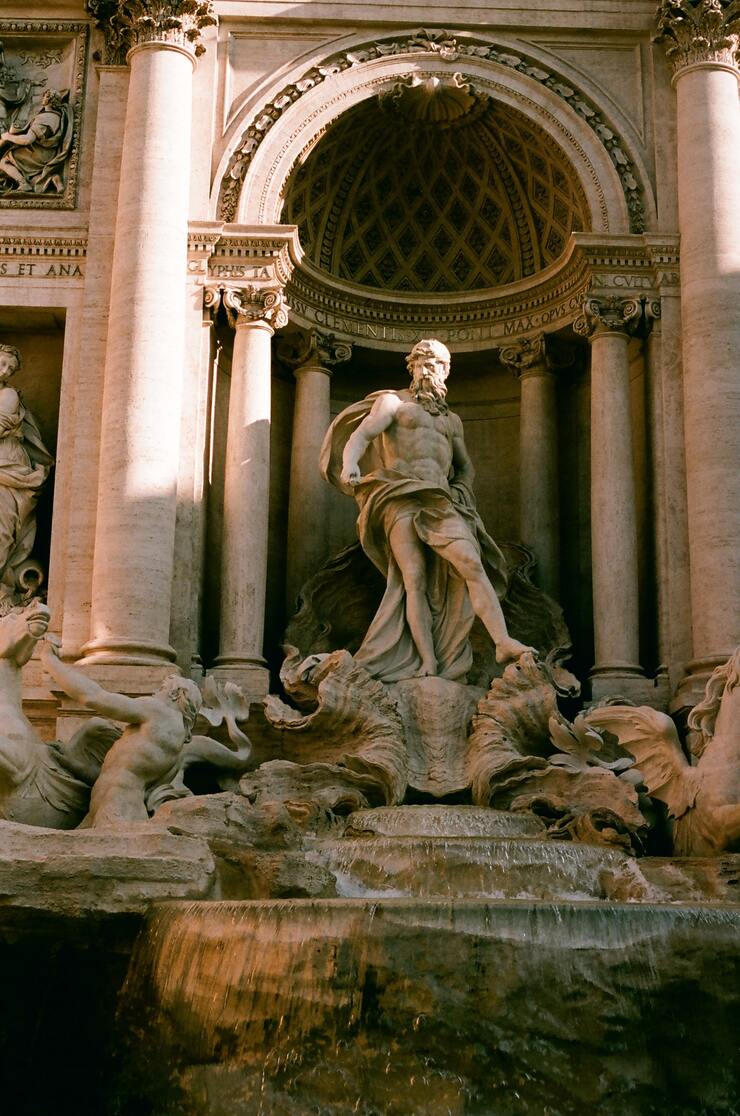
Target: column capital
[248,305]
[527,356]
[313,349]
[609,315]
[538,355]
[695,32]
[127,24]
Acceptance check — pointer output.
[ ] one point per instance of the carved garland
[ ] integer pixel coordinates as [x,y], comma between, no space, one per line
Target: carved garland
[449,49]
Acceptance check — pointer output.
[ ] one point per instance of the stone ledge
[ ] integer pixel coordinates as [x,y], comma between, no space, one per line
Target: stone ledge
[88,874]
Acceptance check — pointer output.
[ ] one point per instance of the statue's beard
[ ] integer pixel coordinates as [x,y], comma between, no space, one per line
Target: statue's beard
[429,392]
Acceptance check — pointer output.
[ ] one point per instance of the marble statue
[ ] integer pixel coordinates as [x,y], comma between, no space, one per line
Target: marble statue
[146,765]
[32,157]
[24,466]
[41,783]
[703,801]
[402,455]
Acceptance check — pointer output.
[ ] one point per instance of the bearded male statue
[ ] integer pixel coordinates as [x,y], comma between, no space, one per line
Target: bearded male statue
[402,455]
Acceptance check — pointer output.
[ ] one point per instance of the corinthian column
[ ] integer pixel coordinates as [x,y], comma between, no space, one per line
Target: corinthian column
[135,525]
[701,40]
[254,315]
[539,515]
[313,356]
[608,323]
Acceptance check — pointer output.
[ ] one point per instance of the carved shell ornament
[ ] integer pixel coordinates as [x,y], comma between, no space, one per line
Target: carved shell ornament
[434,100]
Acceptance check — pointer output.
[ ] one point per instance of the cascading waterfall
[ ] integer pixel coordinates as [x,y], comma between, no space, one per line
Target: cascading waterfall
[446,1002]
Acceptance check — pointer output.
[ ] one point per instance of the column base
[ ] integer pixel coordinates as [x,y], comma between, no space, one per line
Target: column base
[690,690]
[129,652]
[134,679]
[627,681]
[251,675]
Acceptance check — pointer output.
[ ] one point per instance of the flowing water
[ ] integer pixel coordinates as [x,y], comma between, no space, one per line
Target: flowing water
[433,1007]
[468,967]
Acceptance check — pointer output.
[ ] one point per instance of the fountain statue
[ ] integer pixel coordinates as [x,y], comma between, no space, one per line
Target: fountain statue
[425,884]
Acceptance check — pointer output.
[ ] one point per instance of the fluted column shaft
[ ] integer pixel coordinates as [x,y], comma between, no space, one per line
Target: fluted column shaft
[135,527]
[254,314]
[539,516]
[607,324]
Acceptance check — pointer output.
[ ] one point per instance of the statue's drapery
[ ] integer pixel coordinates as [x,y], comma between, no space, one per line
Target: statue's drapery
[440,516]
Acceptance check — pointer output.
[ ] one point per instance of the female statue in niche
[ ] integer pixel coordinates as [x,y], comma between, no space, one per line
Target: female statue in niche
[24,466]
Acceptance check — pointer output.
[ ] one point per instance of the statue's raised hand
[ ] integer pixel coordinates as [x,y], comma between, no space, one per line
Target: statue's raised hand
[351,475]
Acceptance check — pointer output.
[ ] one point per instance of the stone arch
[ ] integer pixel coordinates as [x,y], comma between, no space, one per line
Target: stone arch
[268,141]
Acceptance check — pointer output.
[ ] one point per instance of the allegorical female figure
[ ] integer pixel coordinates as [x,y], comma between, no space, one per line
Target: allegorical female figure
[24,466]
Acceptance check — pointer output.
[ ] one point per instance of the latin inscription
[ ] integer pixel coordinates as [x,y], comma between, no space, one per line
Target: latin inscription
[39,269]
[492,330]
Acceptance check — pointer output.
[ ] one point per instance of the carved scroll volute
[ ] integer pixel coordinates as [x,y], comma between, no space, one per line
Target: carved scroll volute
[248,305]
[609,315]
[312,348]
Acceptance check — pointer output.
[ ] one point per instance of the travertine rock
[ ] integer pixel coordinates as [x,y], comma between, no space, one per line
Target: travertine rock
[86,873]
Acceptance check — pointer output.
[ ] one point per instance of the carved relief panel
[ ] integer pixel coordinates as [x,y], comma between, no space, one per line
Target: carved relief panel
[42,74]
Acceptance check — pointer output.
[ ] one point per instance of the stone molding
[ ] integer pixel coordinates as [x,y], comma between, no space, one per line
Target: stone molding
[248,305]
[611,315]
[57,68]
[313,349]
[262,254]
[431,43]
[699,31]
[592,265]
[126,24]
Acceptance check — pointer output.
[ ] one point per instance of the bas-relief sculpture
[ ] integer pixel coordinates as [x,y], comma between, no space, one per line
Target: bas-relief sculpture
[32,155]
[41,83]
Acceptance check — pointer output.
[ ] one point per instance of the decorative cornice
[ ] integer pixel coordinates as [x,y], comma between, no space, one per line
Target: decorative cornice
[697,31]
[312,348]
[609,315]
[449,47]
[130,23]
[248,305]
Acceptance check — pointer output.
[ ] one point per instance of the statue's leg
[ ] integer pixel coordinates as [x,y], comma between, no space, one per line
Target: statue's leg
[11,171]
[463,556]
[408,552]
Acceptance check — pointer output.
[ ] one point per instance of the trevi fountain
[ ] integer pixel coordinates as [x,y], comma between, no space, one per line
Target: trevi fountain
[369,534]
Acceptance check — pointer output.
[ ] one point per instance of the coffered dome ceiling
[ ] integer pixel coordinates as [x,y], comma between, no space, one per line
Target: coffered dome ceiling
[406,197]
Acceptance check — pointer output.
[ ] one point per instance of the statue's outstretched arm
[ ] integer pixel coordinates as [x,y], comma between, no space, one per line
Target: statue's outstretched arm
[80,688]
[380,418]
